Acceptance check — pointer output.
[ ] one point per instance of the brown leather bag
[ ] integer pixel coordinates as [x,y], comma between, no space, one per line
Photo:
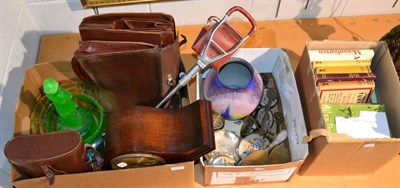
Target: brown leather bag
[154,28]
[133,55]
[49,154]
[136,73]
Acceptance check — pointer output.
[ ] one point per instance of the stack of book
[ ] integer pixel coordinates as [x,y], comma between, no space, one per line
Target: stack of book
[343,76]
[345,83]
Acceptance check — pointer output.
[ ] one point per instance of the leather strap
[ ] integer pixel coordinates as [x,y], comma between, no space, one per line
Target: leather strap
[314,134]
[184,40]
[50,175]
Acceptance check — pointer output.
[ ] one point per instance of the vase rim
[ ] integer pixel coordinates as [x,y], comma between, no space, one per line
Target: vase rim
[236,60]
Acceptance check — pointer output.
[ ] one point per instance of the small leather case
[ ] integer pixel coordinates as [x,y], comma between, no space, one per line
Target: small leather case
[50,154]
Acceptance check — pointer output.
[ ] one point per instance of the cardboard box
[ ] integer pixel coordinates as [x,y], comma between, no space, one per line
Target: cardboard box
[338,154]
[276,61]
[171,175]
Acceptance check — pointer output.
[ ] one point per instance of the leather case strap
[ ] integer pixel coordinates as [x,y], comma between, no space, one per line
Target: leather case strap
[50,175]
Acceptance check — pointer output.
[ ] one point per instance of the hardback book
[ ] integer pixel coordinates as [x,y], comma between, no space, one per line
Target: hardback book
[340,63]
[345,92]
[344,77]
[343,70]
[356,120]
[341,54]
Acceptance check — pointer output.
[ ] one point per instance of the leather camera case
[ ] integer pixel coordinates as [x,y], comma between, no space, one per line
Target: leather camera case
[50,154]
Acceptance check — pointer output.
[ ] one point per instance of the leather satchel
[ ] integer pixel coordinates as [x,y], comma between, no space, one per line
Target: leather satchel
[50,154]
[133,55]
[154,28]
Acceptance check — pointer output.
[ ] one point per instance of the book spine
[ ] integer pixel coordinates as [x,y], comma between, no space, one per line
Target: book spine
[344,77]
[329,117]
[342,70]
[345,96]
[343,54]
[346,85]
[345,91]
[341,63]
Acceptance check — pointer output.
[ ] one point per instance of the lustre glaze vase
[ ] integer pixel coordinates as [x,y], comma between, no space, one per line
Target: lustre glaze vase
[235,89]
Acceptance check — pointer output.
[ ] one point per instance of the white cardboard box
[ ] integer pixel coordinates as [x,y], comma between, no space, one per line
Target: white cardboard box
[266,60]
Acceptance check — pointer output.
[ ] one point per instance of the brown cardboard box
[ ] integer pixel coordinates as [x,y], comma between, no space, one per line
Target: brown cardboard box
[171,175]
[287,34]
[338,154]
[275,61]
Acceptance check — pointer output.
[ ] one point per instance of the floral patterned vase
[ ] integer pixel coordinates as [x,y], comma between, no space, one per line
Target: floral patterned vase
[235,89]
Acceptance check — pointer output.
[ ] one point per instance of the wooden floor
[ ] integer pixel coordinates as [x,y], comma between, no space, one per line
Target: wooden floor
[290,35]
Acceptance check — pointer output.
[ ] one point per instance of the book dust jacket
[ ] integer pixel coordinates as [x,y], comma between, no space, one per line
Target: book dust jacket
[356,120]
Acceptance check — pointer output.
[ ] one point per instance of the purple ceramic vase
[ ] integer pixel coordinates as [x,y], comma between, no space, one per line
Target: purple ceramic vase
[234,90]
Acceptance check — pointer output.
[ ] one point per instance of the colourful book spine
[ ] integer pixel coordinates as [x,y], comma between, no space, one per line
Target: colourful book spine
[345,92]
[340,63]
[349,96]
[344,77]
[341,54]
[343,70]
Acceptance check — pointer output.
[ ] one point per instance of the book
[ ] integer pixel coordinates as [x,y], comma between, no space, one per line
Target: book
[356,120]
[340,54]
[344,77]
[340,63]
[343,70]
[345,91]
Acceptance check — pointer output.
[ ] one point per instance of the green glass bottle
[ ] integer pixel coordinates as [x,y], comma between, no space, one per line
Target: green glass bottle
[71,114]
